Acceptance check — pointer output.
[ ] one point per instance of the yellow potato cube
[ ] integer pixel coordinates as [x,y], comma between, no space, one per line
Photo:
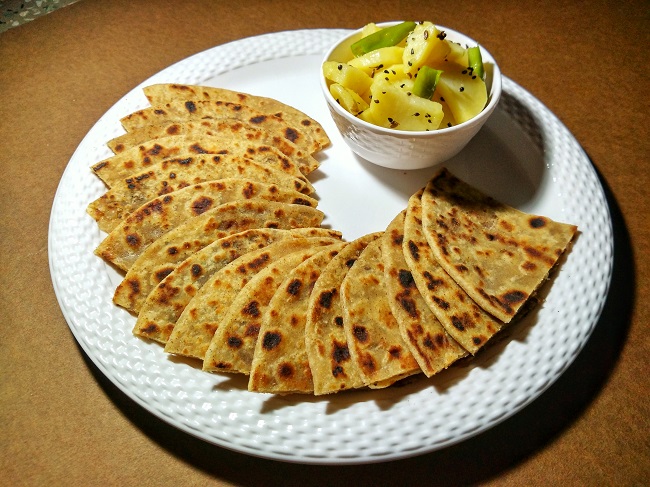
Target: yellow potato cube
[464,92]
[392,107]
[352,78]
[378,59]
[424,46]
[348,99]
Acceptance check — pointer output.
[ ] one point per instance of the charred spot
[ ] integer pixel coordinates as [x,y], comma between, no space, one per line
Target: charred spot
[150,328]
[336,371]
[285,370]
[537,222]
[291,134]
[441,302]
[196,270]
[173,130]
[395,352]
[360,333]
[406,279]
[529,266]
[133,240]
[119,147]
[458,323]
[340,353]
[251,309]
[162,273]
[441,223]
[413,249]
[258,262]
[325,299]
[197,149]
[398,238]
[155,150]
[338,321]
[271,340]
[190,106]
[532,251]
[201,205]
[301,201]
[252,330]
[514,297]
[134,285]
[442,243]
[350,262]
[477,340]
[461,268]
[432,282]
[184,162]
[408,304]
[248,191]
[159,111]
[172,250]
[100,165]
[294,287]
[235,342]
[368,364]
[258,120]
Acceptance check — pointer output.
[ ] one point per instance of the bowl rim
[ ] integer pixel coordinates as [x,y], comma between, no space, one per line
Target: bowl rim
[494,94]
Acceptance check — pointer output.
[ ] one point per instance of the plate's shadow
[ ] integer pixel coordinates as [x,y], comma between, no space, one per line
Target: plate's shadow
[470,462]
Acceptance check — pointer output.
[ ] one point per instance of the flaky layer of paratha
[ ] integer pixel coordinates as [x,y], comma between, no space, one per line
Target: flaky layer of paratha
[331,364]
[164,254]
[280,362]
[371,330]
[133,235]
[163,306]
[496,253]
[433,348]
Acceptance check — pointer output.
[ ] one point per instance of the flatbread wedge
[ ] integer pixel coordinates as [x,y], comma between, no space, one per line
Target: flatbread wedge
[371,330]
[233,345]
[433,348]
[163,255]
[199,321]
[496,253]
[460,316]
[162,93]
[145,155]
[331,364]
[280,363]
[163,306]
[214,130]
[133,235]
[174,174]
[189,110]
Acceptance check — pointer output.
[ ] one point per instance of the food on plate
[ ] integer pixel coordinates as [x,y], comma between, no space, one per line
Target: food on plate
[225,260]
[233,344]
[170,175]
[297,121]
[372,333]
[409,77]
[460,316]
[233,131]
[152,220]
[203,314]
[496,253]
[331,365]
[433,348]
[280,362]
[163,306]
[302,134]
[164,254]
[147,154]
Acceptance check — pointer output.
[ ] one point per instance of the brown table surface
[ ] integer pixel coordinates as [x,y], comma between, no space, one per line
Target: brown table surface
[63,423]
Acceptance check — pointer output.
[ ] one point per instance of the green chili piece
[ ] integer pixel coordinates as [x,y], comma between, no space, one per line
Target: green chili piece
[476,61]
[386,37]
[426,82]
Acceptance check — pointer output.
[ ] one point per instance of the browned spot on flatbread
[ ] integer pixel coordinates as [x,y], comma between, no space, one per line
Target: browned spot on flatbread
[271,340]
[201,205]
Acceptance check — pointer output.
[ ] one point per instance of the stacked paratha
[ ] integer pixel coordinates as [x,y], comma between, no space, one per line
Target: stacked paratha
[212,219]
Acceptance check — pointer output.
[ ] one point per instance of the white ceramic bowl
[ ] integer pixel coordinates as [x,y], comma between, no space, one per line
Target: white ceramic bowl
[399,149]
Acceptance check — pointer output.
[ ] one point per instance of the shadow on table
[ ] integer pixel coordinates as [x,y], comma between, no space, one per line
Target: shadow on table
[472,461]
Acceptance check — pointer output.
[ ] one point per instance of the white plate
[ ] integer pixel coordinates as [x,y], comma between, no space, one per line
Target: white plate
[523,156]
